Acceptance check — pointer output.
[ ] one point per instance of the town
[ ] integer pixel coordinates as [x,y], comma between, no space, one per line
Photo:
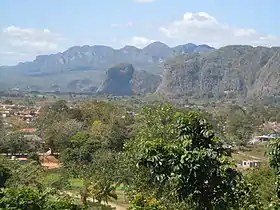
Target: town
[21,117]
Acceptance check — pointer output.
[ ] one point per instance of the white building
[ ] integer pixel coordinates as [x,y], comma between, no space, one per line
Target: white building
[250,164]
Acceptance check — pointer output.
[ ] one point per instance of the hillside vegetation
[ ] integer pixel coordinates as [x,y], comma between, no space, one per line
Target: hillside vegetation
[229,72]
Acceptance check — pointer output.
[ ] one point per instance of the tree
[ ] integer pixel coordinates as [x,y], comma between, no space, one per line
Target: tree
[5,171]
[28,174]
[263,180]
[52,113]
[239,125]
[8,102]
[33,156]
[78,158]
[56,181]
[178,157]
[141,202]
[3,146]
[26,198]
[1,125]
[103,190]
[17,142]
[110,135]
[105,165]
[57,136]
[98,110]
[100,131]
[273,154]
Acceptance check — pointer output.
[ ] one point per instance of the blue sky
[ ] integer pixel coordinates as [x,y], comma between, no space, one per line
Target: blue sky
[32,27]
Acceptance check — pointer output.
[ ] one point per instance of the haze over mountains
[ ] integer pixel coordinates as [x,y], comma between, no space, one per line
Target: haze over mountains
[190,71]
[81,68]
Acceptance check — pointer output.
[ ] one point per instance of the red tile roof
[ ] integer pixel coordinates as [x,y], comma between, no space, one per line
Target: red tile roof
[21,158]
[49,161]
[29,130]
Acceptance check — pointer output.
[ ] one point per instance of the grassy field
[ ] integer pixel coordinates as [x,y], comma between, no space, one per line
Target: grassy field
[254,152]
[76,184]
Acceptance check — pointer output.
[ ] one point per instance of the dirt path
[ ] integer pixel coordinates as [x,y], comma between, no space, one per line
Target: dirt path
[250,156]
[117,206]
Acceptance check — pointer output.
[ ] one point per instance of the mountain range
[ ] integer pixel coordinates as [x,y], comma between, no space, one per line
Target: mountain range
[83,68]
[184,71]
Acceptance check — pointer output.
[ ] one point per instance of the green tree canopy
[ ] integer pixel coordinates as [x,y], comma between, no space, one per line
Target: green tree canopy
[176,156]
[5,171]
[26,198]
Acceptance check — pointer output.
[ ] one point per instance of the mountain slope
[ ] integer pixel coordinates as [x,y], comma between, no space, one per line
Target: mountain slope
[231,71]
[118,80]
[88,62]
[144,82]
[123,80]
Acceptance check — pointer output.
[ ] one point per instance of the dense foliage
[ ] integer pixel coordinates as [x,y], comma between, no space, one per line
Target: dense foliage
[178,159]
[155,156]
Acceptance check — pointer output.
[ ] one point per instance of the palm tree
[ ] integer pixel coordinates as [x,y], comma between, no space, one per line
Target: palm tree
[125,182]
[84,193]
[103,190]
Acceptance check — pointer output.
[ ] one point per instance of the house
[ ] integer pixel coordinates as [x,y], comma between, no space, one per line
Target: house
[6,112]
[274,126]
[262,139]
[49,161]
[130,113]
[28,130]
[21,159]
[250,164]
[28,117]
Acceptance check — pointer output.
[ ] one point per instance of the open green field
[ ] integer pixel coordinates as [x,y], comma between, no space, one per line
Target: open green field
[254,152]
[76,184]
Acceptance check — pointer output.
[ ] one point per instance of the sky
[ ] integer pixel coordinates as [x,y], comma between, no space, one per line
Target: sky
[33,27]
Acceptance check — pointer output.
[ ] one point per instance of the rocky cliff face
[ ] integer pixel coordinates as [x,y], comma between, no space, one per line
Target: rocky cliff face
[123,80]
[231,71]
[144,82]
[118,81]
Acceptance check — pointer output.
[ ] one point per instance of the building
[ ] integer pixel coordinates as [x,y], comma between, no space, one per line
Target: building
[250,164]
[29,130]
[263,139]
[49,161]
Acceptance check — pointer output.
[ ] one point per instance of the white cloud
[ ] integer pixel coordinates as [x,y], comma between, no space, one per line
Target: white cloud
[38,40]
[10,53]
[25,43]
[144,1]
[21,44]
[201,27]
[118,25]
[140,42]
